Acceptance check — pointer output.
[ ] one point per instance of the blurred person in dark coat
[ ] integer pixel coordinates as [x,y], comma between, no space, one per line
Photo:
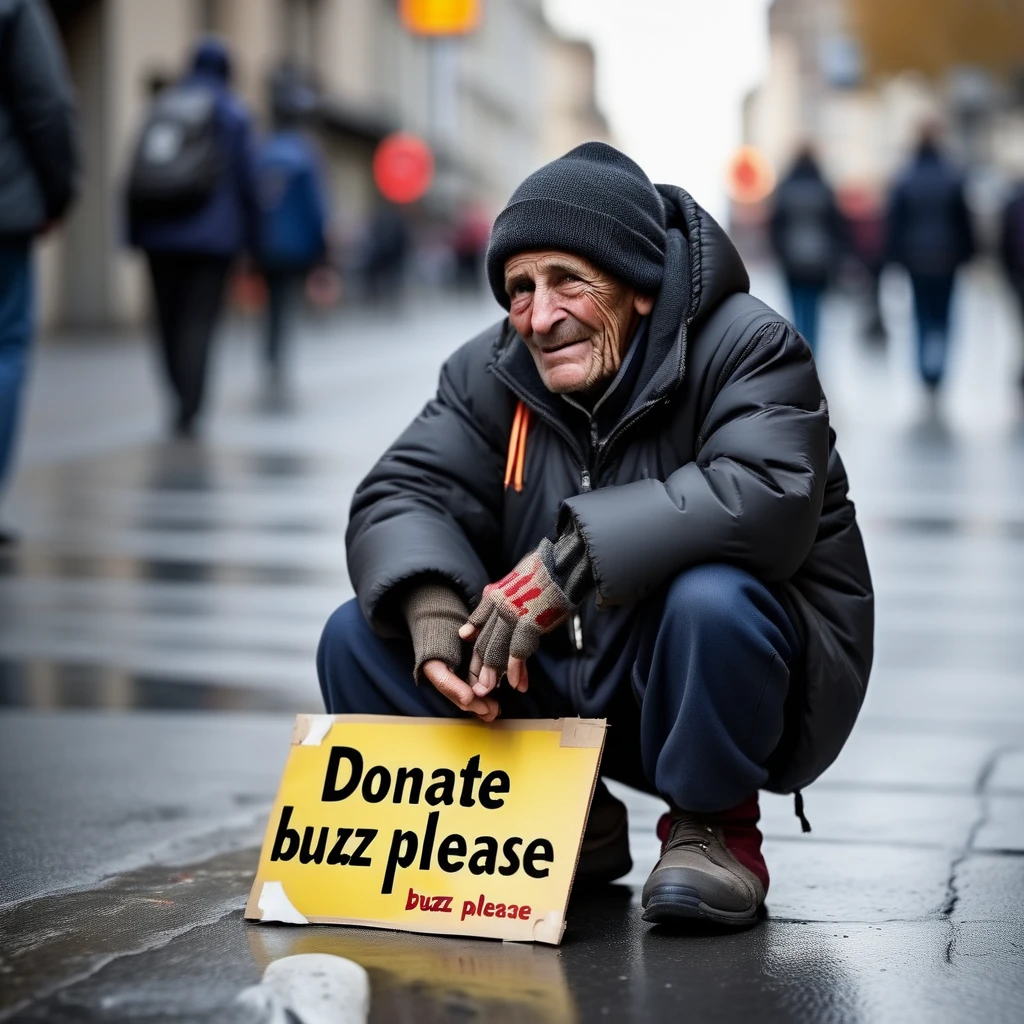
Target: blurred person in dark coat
[930,233]
[864,213]
[386,253]
[293,217]
[38,179]
[1011,247]
[192,210]
[808,237]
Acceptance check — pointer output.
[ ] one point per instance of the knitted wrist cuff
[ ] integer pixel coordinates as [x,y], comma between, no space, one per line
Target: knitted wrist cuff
[434,613]
[567,562]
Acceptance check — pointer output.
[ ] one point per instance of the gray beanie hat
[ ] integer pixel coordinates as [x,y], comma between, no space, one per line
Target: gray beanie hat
[594,202]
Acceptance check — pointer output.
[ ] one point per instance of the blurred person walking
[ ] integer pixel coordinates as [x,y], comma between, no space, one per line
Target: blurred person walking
[808,236]
[864,213]
[38,179]
[930,233]
[293,219]
[192,210]
[386,254]
[1011,248]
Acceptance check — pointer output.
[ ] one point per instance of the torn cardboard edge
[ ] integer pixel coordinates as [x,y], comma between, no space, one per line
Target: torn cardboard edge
[311,730]
[273,906]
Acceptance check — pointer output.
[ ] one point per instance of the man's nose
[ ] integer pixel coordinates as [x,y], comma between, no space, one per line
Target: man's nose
[545,310]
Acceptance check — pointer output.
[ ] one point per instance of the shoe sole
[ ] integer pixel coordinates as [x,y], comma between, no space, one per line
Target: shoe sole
[670,903]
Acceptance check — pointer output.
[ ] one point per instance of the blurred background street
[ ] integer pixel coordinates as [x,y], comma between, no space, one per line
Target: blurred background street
[164,590]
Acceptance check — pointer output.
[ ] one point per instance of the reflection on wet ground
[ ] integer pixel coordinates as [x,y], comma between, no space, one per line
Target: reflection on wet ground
[44,685]
[158,577]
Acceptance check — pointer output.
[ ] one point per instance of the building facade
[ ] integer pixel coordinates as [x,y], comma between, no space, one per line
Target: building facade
[492,105]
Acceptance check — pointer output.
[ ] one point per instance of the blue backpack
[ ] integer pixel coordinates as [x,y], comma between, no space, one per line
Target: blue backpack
[292,218]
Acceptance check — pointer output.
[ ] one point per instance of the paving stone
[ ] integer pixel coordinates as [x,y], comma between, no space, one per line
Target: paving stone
[1003,827]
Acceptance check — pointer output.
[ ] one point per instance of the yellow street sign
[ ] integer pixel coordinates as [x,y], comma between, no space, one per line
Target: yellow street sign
[440,17]
[429,825]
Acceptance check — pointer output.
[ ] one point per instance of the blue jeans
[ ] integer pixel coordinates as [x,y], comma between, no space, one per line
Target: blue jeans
[695,717]
[806,302]
[932,298]
[15,338]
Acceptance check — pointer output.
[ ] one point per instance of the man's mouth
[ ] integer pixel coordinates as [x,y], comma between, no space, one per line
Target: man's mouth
[550,350]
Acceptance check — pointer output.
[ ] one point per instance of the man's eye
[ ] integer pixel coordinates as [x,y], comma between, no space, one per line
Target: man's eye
[521,288]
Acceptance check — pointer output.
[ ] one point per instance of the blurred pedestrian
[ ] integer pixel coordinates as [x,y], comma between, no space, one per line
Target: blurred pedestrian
[930,233]
[293,218]
[386,253]
[808,236]
[864,213]
[469,245]
[38,179]
[1011,248]
[192,210]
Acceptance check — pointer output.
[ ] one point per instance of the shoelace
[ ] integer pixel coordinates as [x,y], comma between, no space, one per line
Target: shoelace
[689,832]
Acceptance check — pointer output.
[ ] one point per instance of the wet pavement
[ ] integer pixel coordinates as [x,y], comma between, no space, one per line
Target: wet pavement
[157,627]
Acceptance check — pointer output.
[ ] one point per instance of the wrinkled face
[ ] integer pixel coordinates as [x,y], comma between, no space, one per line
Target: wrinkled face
[577,321]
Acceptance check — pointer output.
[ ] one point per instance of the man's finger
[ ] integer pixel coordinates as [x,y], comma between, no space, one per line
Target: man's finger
[468,631]
[487,681]
[491,709]
[447,683]
[475,664]
[517,675]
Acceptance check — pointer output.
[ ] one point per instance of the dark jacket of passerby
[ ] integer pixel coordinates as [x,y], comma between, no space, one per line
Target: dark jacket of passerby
[807,230]
[38,144]
[929,224]
[1011,236]
[719,451]
[292,232]
[226,223]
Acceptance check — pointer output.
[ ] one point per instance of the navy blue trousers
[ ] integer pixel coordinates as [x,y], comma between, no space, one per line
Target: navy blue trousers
[806,302]
[932,300]
[695,717]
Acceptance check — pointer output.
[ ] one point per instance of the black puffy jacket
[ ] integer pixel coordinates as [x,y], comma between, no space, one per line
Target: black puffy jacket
[722,453]
[38,146]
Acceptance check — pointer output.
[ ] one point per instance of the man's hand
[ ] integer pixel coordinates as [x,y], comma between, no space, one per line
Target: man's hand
[447,683]
[508,623]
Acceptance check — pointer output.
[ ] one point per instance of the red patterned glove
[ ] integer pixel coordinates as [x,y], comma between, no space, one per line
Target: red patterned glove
[516,611]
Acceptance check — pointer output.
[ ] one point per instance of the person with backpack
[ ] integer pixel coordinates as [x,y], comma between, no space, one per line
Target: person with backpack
[293,219]
[1011,247]
[39,168]
[930,233]
[808,235]
[192,210]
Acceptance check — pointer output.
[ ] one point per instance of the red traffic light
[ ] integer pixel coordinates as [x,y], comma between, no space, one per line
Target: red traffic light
[750,176]
[403,167]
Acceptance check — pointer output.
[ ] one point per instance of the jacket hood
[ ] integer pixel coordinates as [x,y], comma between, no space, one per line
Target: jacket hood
[211,59]
[702,269]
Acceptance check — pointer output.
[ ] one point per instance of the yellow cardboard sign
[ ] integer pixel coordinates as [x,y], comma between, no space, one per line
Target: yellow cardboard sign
[429,825]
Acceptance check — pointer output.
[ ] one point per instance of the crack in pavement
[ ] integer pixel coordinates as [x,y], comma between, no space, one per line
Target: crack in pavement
[981,820]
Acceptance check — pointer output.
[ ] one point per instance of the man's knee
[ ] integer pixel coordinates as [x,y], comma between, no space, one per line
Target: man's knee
[342,635]
[713,595]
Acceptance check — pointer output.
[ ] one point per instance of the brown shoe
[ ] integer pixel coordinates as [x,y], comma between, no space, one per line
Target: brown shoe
[698,878]
[604,854]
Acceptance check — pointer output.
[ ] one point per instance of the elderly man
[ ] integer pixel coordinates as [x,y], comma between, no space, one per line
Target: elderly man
[639,457]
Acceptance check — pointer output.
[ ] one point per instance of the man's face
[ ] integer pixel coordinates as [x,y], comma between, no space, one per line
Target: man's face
[577,321]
